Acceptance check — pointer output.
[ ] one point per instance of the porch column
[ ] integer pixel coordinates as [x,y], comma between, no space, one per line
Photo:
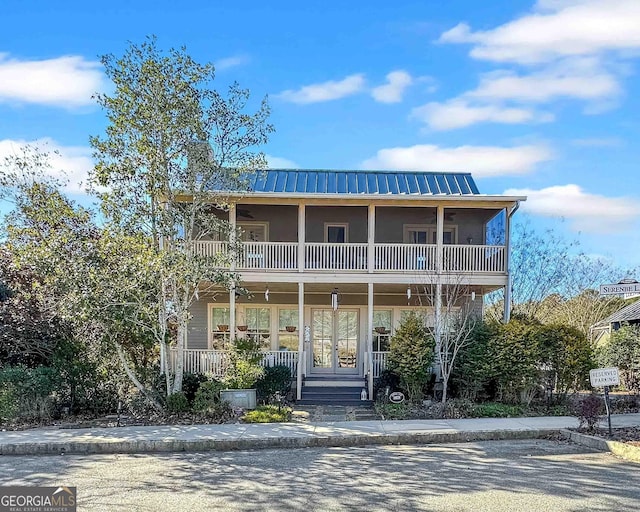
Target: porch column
[369,368]
[439,270]
[507,251]
[301,236]
[371,235]
[232,234]
[301,354]
[232,312]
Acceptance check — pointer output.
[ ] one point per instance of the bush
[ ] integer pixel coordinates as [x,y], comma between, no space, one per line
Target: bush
[623,351]
[497,410]
[411,356]
[244,368]
[387,379]
[191,382]
[268,414]
[177,403]
[276,379]
[588,410]
[28,393]
[390,411]
[208,396]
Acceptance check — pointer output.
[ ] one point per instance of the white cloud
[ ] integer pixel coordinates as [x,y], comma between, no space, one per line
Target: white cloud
[276,162]
[71,164]
[586,212]
[556,29]
[458,113]
[482,161]
[231,62]
[326,91]
[64,81]
[582,79]
[392,91]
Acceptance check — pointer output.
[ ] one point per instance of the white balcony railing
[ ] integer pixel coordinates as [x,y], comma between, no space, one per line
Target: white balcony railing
[474,258]
[268,256]
[214,362]
[388,257]
[325,256]
[405,257]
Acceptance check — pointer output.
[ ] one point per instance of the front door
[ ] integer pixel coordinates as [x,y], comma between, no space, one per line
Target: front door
[335,341]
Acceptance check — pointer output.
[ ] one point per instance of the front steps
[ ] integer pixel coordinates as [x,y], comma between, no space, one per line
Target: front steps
[333,390]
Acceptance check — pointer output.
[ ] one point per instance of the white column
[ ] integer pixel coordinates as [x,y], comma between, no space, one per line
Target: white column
[232,233]
[371,235]
[301,354]
[439,237]
[439,270]
[370,337]
[232,313]
[507,253]
[301,235]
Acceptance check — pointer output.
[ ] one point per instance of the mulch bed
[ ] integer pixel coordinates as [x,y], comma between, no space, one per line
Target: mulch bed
[628,435]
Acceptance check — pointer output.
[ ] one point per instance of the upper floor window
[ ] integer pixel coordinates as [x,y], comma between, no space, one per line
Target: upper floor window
[336,233]
[254,231]
[428,234]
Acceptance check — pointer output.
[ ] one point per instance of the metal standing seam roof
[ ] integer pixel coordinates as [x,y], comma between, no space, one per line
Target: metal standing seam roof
[299,181]
[626,314]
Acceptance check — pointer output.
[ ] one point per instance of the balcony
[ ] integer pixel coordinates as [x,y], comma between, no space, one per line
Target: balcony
[350,257]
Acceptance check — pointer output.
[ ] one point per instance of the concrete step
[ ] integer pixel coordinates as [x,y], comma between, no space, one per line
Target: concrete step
[334,381]
[335,401]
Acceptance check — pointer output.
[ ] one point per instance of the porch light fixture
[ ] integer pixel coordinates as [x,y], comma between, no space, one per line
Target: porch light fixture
[473,296]
[408,292]
[266,294]
[334,299]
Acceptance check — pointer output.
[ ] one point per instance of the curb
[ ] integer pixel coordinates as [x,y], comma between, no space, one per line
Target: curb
[626,451]
[181,445]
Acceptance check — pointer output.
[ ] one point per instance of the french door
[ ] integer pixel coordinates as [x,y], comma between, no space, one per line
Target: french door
[335,341]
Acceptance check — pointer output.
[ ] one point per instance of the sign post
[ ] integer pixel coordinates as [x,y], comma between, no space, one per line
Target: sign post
[605,377]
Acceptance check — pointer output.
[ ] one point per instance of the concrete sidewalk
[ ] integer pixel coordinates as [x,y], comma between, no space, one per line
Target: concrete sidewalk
[283,435]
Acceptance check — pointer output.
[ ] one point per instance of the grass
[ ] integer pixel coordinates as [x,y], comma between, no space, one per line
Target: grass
[268,414]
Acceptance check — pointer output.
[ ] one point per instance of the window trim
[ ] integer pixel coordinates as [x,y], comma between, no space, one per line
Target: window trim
[262,224]
[431,230]
[344,225]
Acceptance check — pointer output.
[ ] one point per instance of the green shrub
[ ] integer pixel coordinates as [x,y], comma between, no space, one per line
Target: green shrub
[389,411]
[268,414]
[244,367]
[208,396]
[387,379]
[191,382]
[29,393]
[276,379]
[623,351]
[411,356]
[497,410]
[177,403]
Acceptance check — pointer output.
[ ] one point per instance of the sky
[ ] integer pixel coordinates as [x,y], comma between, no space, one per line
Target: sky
[533,98]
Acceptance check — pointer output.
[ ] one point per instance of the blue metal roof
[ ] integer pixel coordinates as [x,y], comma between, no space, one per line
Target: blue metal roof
[301,181]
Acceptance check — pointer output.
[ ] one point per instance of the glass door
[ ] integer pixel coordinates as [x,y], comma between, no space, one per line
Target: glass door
[335,341]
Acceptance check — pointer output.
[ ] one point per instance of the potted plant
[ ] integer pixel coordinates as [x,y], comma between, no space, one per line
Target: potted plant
[243,371]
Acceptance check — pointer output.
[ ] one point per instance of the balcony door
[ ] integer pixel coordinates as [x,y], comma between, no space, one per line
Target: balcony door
[335,341]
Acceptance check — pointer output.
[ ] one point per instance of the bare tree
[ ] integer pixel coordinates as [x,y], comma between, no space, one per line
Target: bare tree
[455,317]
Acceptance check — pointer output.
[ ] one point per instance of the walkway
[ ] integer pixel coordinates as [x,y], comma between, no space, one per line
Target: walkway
[283,435]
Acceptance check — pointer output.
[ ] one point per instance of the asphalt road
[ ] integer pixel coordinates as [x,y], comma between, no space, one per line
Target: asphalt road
[537,475]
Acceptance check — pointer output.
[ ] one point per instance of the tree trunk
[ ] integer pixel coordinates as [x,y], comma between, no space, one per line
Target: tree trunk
[134,379]
[180,346]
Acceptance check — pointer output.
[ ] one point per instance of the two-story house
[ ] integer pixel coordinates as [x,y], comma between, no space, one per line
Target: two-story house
[334,260]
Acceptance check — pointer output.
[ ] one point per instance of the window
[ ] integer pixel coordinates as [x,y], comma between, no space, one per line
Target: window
[427,233]
[254,231]
[219,327]
[259,325]
[336,233]
[288,329]
[382,330]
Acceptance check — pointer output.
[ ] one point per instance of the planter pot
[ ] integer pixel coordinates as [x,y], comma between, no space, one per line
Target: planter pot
[244,398]
[242,327]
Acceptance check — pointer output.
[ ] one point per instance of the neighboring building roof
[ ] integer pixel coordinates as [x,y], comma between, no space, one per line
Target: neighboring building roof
[413,183]
[626,314]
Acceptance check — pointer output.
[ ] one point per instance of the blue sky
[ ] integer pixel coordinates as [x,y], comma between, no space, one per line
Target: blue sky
[534,98]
